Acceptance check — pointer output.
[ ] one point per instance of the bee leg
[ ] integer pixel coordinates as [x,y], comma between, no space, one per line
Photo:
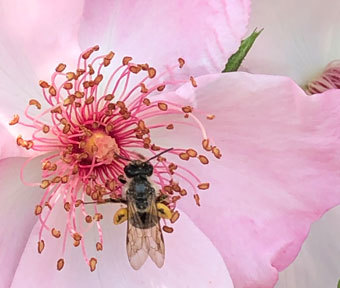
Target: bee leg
[162,197]
[122,179]
[120,216]
[163,211]
[112,200]
[108,200]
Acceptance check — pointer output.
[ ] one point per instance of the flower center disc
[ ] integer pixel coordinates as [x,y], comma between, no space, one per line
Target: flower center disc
[101,146]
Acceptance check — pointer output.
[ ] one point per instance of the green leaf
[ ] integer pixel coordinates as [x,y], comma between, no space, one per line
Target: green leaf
[338,284]
[235,60]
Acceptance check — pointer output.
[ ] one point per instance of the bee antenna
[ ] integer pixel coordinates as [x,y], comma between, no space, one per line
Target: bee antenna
[122,157]
[159,154]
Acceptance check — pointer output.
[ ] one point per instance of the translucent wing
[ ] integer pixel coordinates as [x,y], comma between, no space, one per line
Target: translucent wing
[144,235]
[156,241]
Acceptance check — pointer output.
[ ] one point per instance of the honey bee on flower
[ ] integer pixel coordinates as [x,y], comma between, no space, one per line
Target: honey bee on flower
[92,122]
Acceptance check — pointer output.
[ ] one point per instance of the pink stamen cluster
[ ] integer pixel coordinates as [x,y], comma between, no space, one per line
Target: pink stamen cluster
[330,79]
[91,117]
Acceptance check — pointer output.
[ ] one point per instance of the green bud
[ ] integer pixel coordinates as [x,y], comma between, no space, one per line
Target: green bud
[235,60]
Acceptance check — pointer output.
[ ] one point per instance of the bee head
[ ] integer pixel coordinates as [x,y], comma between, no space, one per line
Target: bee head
[138,168]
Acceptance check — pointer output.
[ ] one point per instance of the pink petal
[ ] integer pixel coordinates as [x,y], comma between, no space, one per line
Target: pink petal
[204,33]
[191,259]
[299,38]
[29,52]
[16,215]
[317,264]
[46,31]
[278,174]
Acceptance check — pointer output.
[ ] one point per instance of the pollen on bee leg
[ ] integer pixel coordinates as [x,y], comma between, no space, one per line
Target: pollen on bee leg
[60,264]
[93,264]
[120,216]
[163,211]
[15,120]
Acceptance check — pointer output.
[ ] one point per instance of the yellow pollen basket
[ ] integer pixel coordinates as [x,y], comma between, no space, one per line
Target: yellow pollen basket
[163,211]
[120,216]
[101,146]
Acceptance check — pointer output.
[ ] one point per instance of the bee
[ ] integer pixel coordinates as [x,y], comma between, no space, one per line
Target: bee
[143,212]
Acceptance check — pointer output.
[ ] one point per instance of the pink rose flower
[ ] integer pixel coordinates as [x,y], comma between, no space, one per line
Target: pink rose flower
[266,190]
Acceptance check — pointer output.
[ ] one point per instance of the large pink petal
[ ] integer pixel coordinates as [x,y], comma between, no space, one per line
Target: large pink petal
[35,37]
[278,174]
[16,215]
[46,31]
[204,33]
[317,264]
[191,260]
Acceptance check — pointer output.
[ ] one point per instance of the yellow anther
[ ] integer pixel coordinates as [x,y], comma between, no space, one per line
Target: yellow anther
[120,216]
[163,211]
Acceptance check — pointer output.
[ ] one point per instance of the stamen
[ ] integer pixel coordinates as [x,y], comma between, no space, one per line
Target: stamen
[329,79]
[181,62]
[15,120]
[60,264]
[41,246]
[168,229]
[203,186]
[93,264]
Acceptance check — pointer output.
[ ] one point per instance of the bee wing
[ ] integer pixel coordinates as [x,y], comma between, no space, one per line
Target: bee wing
[136,246]
[155,239]
[143,242]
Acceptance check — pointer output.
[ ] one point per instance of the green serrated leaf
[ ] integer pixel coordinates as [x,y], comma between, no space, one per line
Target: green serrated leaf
[338,284]
[235,60]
